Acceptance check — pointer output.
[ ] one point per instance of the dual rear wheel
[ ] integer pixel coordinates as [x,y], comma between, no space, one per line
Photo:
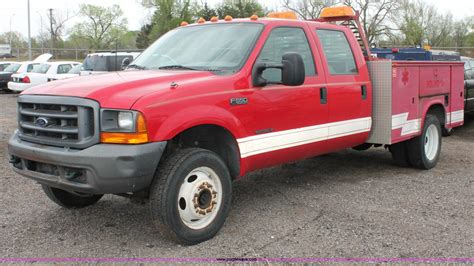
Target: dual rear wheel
[423,151]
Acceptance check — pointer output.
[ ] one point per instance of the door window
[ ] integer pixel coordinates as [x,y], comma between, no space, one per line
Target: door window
[280,42]
[338,52]
[63,69]
[30,67]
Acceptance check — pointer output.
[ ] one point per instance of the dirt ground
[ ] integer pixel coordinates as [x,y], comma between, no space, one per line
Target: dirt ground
[346,204]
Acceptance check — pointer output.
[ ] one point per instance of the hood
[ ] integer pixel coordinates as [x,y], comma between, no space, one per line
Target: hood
[118,89]
[43,58]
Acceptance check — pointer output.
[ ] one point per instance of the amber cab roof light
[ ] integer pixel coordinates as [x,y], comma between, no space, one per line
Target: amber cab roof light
[283,15]
[338,11]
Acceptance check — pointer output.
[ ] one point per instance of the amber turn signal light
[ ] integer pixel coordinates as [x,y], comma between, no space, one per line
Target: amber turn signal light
[138,137]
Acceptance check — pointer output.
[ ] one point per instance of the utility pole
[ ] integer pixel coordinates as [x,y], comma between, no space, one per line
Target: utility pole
[11,18]
[29,32]
[52,31]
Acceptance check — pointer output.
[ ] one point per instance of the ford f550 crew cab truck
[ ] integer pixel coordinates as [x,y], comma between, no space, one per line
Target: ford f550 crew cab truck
[210,102]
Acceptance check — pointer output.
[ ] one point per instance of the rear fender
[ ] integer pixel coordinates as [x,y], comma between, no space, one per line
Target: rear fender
[432,102]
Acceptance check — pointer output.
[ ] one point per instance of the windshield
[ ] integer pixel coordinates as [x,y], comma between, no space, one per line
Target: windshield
[75,70]
[42,69]
[3,66]
[218,47]
[12,68]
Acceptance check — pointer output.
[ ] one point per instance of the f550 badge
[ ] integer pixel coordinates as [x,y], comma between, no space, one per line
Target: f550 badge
[239,101]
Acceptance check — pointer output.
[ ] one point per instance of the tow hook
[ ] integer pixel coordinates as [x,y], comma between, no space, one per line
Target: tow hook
[14,160]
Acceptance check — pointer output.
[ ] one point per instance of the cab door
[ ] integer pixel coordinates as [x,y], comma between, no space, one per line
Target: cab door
[348,87]
[286,118]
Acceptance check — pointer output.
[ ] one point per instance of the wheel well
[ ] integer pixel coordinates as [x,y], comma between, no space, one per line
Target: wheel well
[213,138]
[438,111]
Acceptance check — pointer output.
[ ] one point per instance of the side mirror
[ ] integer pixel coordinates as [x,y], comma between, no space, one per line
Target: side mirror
[125,62]
[292,71]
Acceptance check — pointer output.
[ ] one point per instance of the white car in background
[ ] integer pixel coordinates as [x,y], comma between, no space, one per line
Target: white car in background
[39,75]
[20,67]
[74,72]
[5,64]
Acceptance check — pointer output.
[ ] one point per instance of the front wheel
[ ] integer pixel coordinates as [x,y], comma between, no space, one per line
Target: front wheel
[191,195]
[424,150]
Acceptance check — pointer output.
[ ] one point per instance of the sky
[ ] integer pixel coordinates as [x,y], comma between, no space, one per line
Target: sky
[16,11]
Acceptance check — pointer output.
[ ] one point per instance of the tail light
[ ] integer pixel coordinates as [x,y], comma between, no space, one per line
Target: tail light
[26,80]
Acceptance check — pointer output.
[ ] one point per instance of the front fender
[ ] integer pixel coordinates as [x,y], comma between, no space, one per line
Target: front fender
[166,127]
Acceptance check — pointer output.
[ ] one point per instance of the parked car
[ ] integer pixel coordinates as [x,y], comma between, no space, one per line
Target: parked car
[74,72]
[210,102]
[39,75]
[20,67]
[469,82]
[4,64]
[99,63]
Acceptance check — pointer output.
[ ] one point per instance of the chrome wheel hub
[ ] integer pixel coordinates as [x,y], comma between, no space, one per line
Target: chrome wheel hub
[199,198]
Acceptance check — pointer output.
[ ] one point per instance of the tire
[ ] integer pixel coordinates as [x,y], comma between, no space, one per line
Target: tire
[363,147]
[447,132]
[191,195]
[424,150]
[400,154]
[69,200]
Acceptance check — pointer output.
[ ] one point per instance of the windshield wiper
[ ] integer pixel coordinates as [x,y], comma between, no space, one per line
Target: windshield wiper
[178,67]
[136,67]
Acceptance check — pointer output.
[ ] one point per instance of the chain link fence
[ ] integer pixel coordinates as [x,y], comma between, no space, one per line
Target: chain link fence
[78,54]
[73,54]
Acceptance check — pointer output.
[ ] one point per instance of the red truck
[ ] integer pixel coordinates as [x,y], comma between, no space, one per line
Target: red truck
[210,102]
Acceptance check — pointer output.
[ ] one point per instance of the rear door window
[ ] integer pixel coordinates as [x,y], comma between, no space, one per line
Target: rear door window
[338,52]
[30,67]
[63,69]
[285,40]
[42,69]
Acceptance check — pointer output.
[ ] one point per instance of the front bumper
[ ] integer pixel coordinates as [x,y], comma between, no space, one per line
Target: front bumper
[19,87]
[100,169]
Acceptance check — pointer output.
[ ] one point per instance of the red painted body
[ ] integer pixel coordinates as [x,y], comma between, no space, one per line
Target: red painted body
[203,98]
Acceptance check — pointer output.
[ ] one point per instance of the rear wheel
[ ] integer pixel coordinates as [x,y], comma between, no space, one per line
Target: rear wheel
[424,150]
[447,131]
[400,154]
[191,195]
[69,200]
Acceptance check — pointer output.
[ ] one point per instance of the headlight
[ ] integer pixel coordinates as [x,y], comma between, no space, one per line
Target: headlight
[125,120]
[123,127]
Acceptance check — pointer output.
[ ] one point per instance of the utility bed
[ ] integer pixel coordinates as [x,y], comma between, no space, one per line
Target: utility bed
[404,90]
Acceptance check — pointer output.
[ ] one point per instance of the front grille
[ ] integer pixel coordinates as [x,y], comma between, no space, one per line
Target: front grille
[58,121]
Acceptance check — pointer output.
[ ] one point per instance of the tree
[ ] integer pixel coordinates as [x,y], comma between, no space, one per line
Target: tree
[240,8]
[205,11]
[375,16]
[143,41]
[420,23]
[57,25]
[307,9]
[17,39]
[103,26]
[168,15]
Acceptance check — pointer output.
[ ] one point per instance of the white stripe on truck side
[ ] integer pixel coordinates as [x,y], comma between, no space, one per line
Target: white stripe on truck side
[264,143]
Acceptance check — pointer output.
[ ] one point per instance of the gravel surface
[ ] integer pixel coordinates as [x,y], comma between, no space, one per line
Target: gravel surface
[346,204]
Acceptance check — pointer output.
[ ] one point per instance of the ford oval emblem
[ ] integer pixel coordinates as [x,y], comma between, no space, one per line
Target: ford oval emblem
[42,122]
